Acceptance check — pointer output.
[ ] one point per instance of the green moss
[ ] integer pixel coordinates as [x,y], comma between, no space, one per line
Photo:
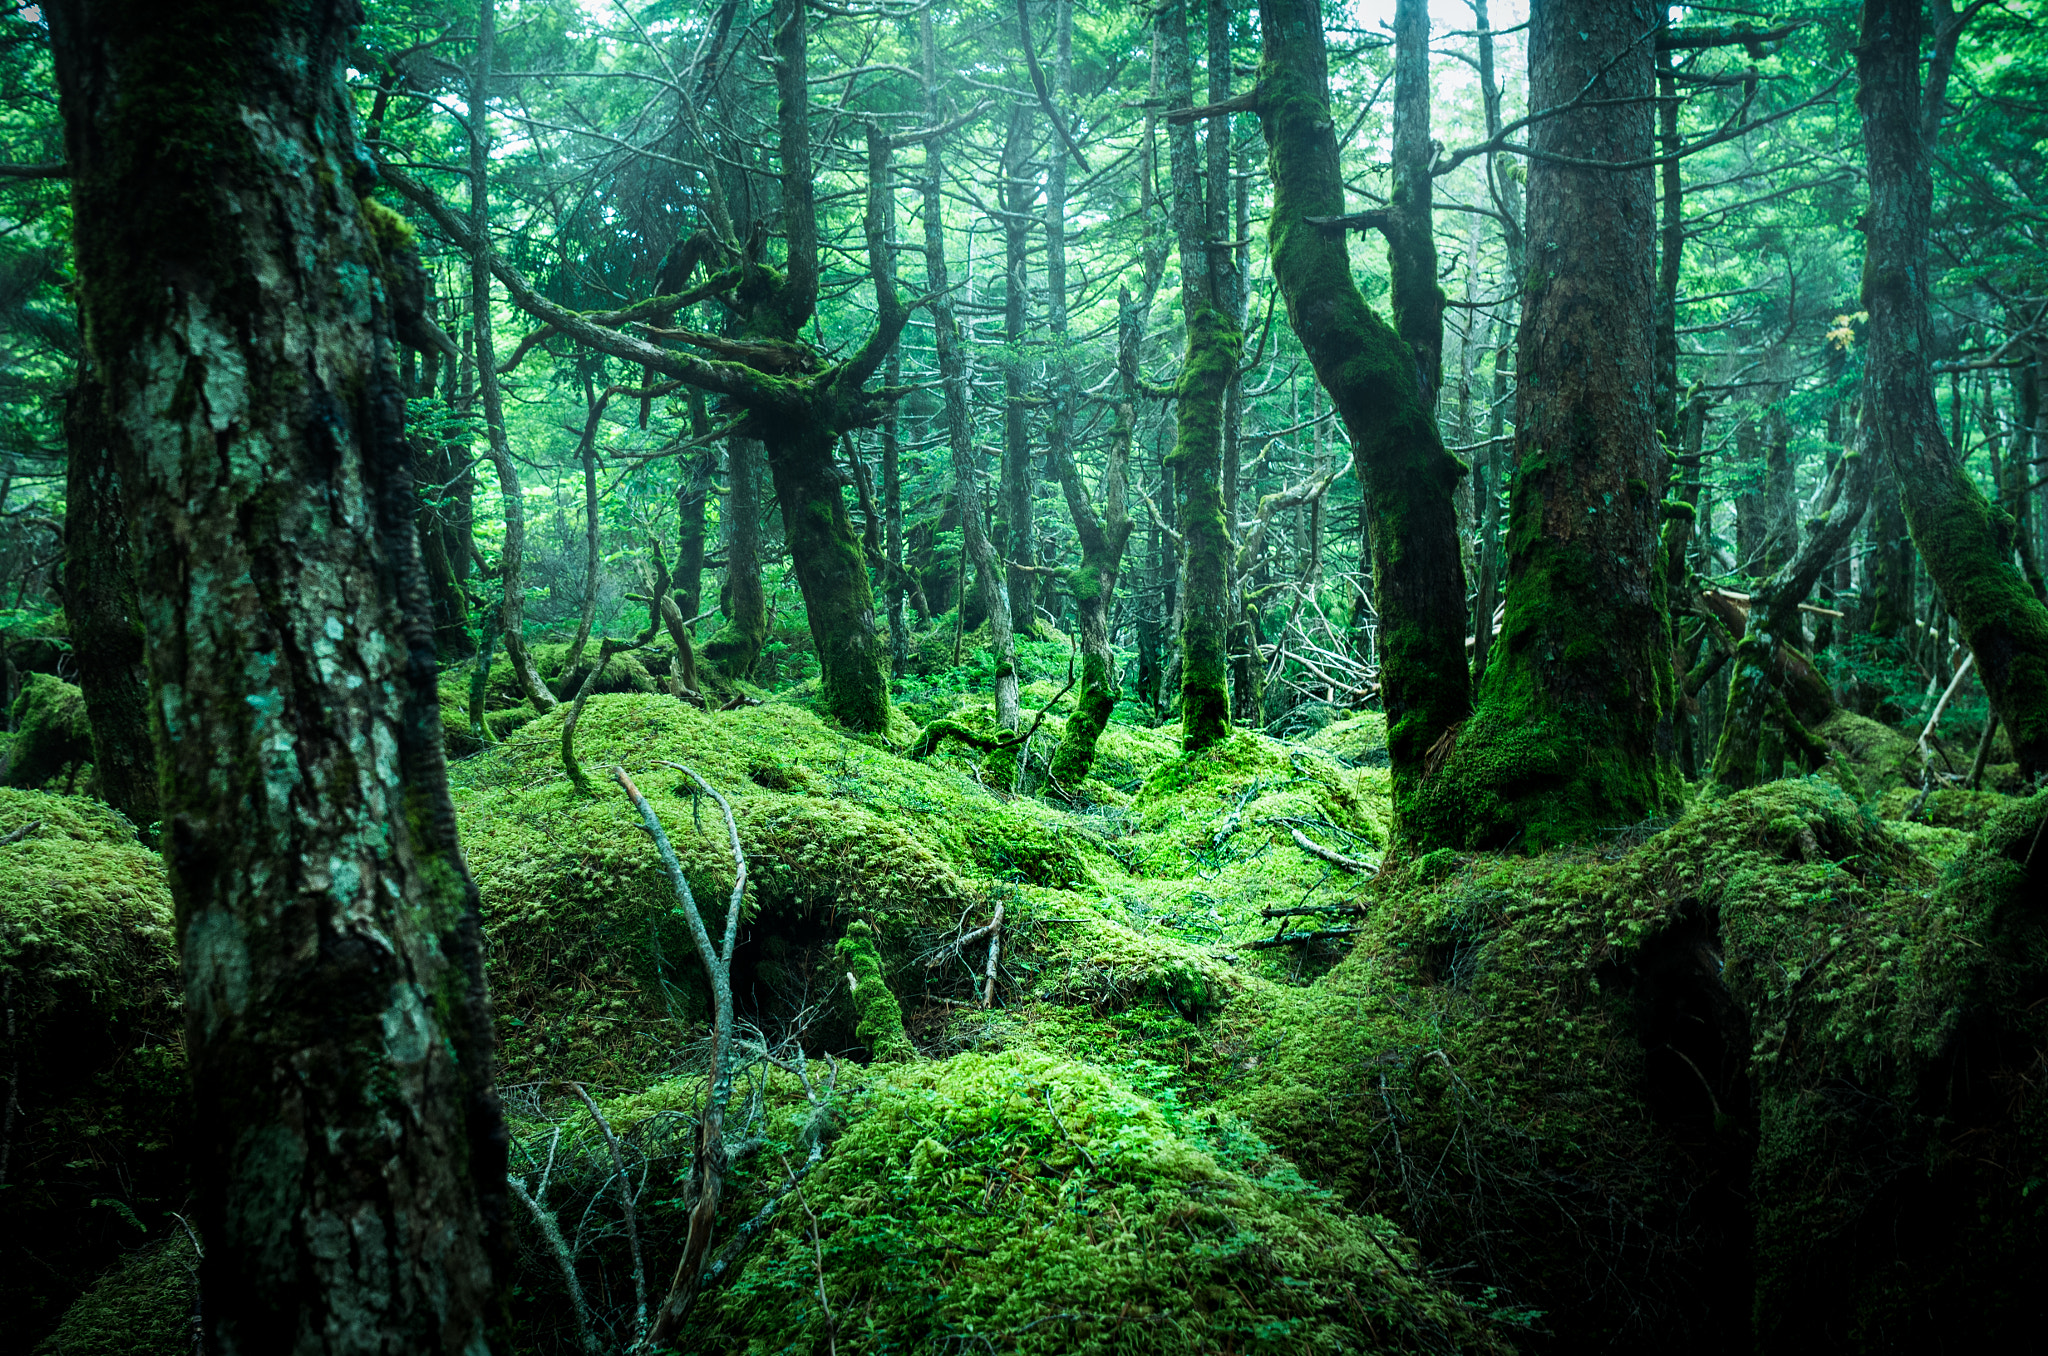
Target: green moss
[880,1021]
[1880,756]
[143,1307]
[52,737]
[1038,1204]
[1949,807]
[92,1049]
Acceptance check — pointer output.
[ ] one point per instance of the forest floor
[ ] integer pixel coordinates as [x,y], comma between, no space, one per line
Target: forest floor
[1245,1080]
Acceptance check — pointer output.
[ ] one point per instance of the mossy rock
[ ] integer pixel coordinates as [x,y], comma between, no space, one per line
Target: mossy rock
[588,952]
[1880,756]
[1948,807]
[1902,1122]
[143,1306]
[52,738]
[1041,1206]
[89,963]
[1359,740]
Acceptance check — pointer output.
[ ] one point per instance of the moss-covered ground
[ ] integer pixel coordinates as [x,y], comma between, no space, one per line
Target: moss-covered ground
[1652,1089]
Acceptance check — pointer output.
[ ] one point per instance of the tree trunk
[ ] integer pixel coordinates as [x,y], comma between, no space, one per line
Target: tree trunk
[347,1145]
[1013,498]
[952,362]
[691,496]
[832,572]
[1570,733]
[1963,539]
[1407,478]
[1410,229]
[1214,343]
[512,554]
[892,521]
[736,648]
[1745,755]
[100,609]
[586,451]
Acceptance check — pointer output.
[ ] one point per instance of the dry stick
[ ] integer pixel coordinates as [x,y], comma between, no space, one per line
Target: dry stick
[1334,858]
[552,1232]
[605,650]
[995,955]
[1926,754]
[818,1252]
[1983,751]
[632,1217]
[708,1171]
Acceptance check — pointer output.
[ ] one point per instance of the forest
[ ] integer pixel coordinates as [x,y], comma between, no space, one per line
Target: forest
[1384,689]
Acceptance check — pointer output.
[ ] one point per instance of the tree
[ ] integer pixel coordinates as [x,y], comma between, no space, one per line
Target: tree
[1965,540]
[100,606]
[1373,381]
[1572,729]
[1214,345]
[347,1143]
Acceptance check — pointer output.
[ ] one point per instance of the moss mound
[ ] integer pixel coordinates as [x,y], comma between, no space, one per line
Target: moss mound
[505,706]
[1903,1126]
[1880,756]
[142,1307]
[89,968]
[1038,1206]
[1514,1047]
[588,951]
[52,738]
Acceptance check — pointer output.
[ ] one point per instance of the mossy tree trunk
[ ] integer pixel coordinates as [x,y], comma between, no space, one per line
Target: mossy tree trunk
[1014,533]
[347,1146]
[736,647]
[1103,538]
[795,403]
[1407,477]
[1572,724]
[989,569]
[1755,699]
[512,551]
[1213,348]
[100,609]
[1964,539]
[1409,223]
[691,497]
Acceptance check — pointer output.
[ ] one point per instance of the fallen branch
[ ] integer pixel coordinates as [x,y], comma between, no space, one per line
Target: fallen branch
[1298,938]
[1347,910]
[611,1142]
[707,1171]
[939,731]
[995,955]
[1330,855]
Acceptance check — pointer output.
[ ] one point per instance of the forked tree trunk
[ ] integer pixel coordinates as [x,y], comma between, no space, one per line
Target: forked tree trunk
[1572,724]
[1963,539]
[347,1146]
[1407,477]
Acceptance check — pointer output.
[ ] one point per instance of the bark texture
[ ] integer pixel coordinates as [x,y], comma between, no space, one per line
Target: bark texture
[1964,539]
[1570,733]
[1214,343]
[348,1150]
[1371,376]
[100,609]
